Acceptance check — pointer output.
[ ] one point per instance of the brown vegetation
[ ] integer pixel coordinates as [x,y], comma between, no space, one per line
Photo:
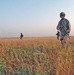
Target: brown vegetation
[38,55]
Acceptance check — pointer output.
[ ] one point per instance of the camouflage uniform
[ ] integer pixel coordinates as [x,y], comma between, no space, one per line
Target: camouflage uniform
[21,36]
[64,27]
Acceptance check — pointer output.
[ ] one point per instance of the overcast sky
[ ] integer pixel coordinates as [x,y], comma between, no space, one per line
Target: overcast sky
[34,18]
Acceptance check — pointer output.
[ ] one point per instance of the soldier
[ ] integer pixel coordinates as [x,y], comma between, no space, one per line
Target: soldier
[21,36]
[64,28]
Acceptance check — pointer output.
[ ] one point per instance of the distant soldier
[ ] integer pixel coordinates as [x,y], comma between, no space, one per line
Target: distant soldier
[21,36]
[64,28]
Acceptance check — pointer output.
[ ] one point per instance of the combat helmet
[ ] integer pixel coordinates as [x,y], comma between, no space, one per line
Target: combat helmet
[62,14]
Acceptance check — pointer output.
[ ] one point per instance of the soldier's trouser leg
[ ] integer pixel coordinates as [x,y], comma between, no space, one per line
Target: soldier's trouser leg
[65,38]
[63,41]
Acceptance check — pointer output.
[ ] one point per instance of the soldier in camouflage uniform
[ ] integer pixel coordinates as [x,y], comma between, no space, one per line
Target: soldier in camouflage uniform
[21,36]
[64,28]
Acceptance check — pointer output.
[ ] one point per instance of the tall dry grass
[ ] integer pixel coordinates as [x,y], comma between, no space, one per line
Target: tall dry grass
[36,56]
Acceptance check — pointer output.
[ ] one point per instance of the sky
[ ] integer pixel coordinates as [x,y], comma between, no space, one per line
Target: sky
[33,18]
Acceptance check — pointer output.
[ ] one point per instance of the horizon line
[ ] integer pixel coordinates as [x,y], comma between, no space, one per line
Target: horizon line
[31,37]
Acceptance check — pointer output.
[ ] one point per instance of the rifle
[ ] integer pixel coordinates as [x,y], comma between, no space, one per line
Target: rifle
[58,34]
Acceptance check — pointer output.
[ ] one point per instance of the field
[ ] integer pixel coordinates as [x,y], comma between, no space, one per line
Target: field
[36,56]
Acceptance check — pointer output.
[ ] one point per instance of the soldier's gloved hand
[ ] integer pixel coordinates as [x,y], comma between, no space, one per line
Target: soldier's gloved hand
[68,31]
